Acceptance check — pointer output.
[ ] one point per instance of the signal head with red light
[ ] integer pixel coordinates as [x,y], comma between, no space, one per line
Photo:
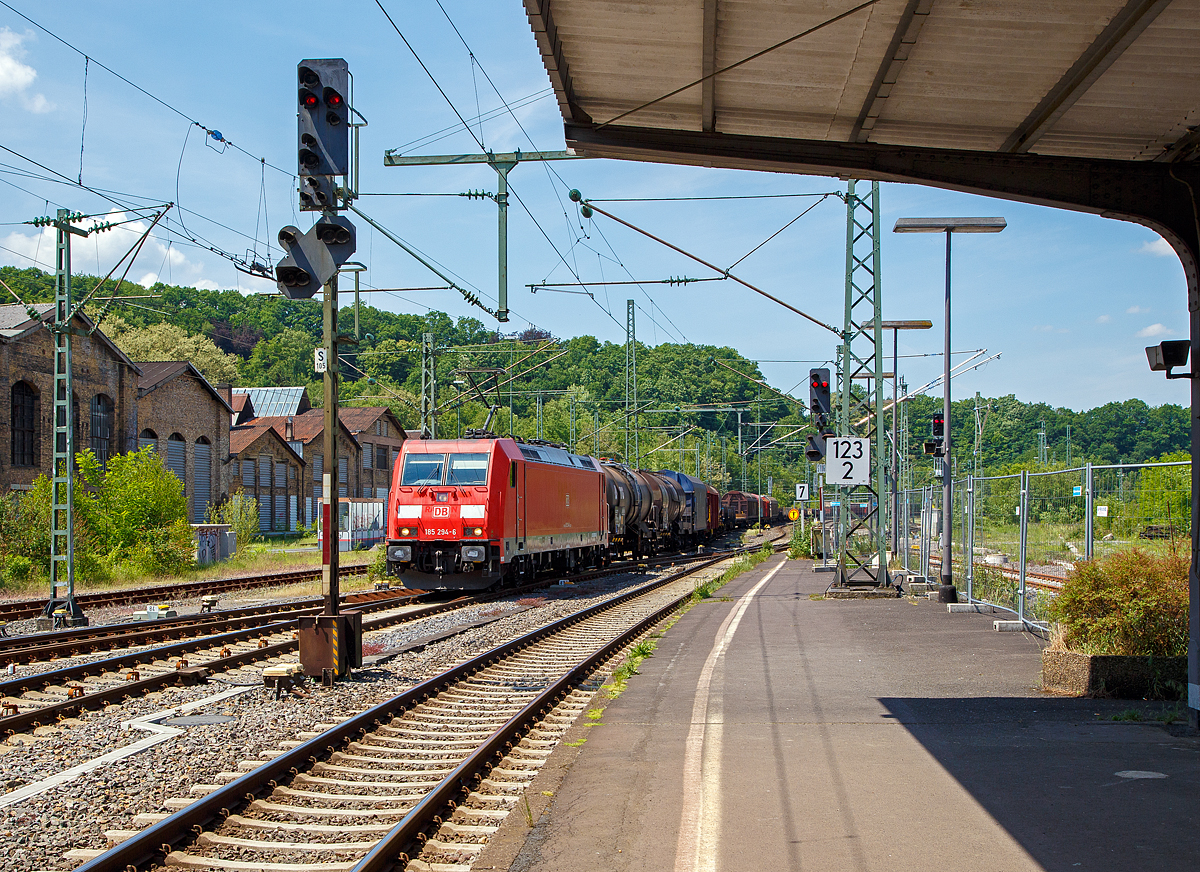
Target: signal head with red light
[324,134]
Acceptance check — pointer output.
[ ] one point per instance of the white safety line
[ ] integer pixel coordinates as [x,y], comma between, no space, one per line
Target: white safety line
[700,817]
[146,722]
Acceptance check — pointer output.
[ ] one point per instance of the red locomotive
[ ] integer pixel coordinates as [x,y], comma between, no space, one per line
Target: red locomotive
[469,513]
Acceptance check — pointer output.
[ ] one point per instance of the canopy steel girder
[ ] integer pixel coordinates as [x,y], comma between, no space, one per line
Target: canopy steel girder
[1159,194]
[862,341]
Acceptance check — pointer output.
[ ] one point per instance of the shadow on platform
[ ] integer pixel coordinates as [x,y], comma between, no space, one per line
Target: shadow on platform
[1077,789]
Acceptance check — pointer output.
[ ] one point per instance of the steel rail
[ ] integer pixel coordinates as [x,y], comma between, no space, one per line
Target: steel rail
[70,643]
[30,608]
[152,845]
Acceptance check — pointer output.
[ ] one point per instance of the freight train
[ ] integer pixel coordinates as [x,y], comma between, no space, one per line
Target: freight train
[471,513]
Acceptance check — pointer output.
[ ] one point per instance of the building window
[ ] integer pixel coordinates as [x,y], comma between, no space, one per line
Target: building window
[177,458]
[24,425]
[368,454]
[248,473]
[381,457]
[148,439]
[102,415]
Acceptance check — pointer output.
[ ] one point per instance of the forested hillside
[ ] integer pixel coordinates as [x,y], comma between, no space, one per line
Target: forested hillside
[579,385]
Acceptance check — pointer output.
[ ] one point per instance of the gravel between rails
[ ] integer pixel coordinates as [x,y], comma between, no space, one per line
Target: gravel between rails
[36,832]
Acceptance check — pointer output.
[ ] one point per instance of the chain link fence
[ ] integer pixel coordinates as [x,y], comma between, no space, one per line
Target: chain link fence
[1026,531]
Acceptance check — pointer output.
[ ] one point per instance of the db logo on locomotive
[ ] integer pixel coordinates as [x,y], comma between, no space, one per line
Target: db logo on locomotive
[441,511]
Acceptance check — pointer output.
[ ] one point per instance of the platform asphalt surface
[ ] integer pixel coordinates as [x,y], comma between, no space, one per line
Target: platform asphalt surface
[776,730]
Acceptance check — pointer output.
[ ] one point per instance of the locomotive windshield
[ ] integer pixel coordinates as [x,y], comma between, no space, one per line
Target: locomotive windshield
[468,469]
[423,469]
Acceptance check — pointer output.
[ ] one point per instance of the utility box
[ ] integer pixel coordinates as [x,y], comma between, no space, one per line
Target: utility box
[331,642]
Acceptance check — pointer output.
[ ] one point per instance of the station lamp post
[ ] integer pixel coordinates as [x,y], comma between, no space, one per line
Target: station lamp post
[947,592]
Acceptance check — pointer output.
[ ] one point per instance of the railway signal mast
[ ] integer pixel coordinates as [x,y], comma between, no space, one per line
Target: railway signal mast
[330,643]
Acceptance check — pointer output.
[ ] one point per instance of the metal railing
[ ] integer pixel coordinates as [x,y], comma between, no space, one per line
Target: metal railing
[1024,532]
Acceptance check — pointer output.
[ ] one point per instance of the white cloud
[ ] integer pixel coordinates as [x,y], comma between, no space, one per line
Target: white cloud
[1103,319]
[17,77]
[1136,310]
[1154,330]
[1159,248]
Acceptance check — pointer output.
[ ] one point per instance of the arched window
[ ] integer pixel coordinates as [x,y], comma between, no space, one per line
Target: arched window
[24,425]
[148,437]
[102,426]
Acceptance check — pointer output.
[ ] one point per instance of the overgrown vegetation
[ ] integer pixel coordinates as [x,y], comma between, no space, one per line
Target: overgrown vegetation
[240,512]
[629,667]
[130,518]
[800,548]
[1131,602]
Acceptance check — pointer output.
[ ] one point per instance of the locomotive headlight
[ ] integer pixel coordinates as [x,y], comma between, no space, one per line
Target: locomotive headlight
[404,531]
[478,531]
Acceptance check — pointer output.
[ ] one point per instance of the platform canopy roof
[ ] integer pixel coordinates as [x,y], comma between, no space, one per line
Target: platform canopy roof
[1091,105]
[1114,79]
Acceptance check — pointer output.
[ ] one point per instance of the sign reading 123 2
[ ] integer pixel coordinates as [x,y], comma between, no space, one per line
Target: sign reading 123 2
[849,459]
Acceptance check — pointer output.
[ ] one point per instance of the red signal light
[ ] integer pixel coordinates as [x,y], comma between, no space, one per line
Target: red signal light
[332,97]
[308,100]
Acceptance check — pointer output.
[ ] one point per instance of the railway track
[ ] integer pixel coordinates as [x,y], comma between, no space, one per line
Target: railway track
[107,637]
[43,698]
[14,610]
[427,775]
[1039,580]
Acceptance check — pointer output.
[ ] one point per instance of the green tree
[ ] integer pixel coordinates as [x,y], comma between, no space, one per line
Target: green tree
[169,342]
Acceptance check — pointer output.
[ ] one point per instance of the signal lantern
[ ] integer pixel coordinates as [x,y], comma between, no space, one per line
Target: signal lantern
[818,392]
[324,147]
[937,426]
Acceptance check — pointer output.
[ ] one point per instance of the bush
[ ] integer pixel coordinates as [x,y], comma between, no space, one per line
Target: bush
[164,550]
[1131,602]
[800,547]
[377,568]
[19,568]
[240,512]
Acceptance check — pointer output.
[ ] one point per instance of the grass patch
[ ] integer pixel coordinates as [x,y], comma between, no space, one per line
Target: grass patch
[628,667]
[574,744]
[1127,715]
[595,714]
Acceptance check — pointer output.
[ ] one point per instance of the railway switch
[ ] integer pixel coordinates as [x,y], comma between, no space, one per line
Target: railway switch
[209,603]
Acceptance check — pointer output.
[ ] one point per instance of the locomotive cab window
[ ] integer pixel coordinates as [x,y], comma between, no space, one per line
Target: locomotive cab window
[423,469]
[468,469]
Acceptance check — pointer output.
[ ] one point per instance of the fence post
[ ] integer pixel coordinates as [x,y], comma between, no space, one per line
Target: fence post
[927,531]
[1089,511]
[1024,506]
[970,538]
[905,530]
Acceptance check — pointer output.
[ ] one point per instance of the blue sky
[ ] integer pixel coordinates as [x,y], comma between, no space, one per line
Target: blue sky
[1069,300]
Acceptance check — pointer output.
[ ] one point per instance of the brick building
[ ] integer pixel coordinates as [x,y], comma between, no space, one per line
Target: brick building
[380,434]
[305,434]
[105,405]
[265,467]
[187,421]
